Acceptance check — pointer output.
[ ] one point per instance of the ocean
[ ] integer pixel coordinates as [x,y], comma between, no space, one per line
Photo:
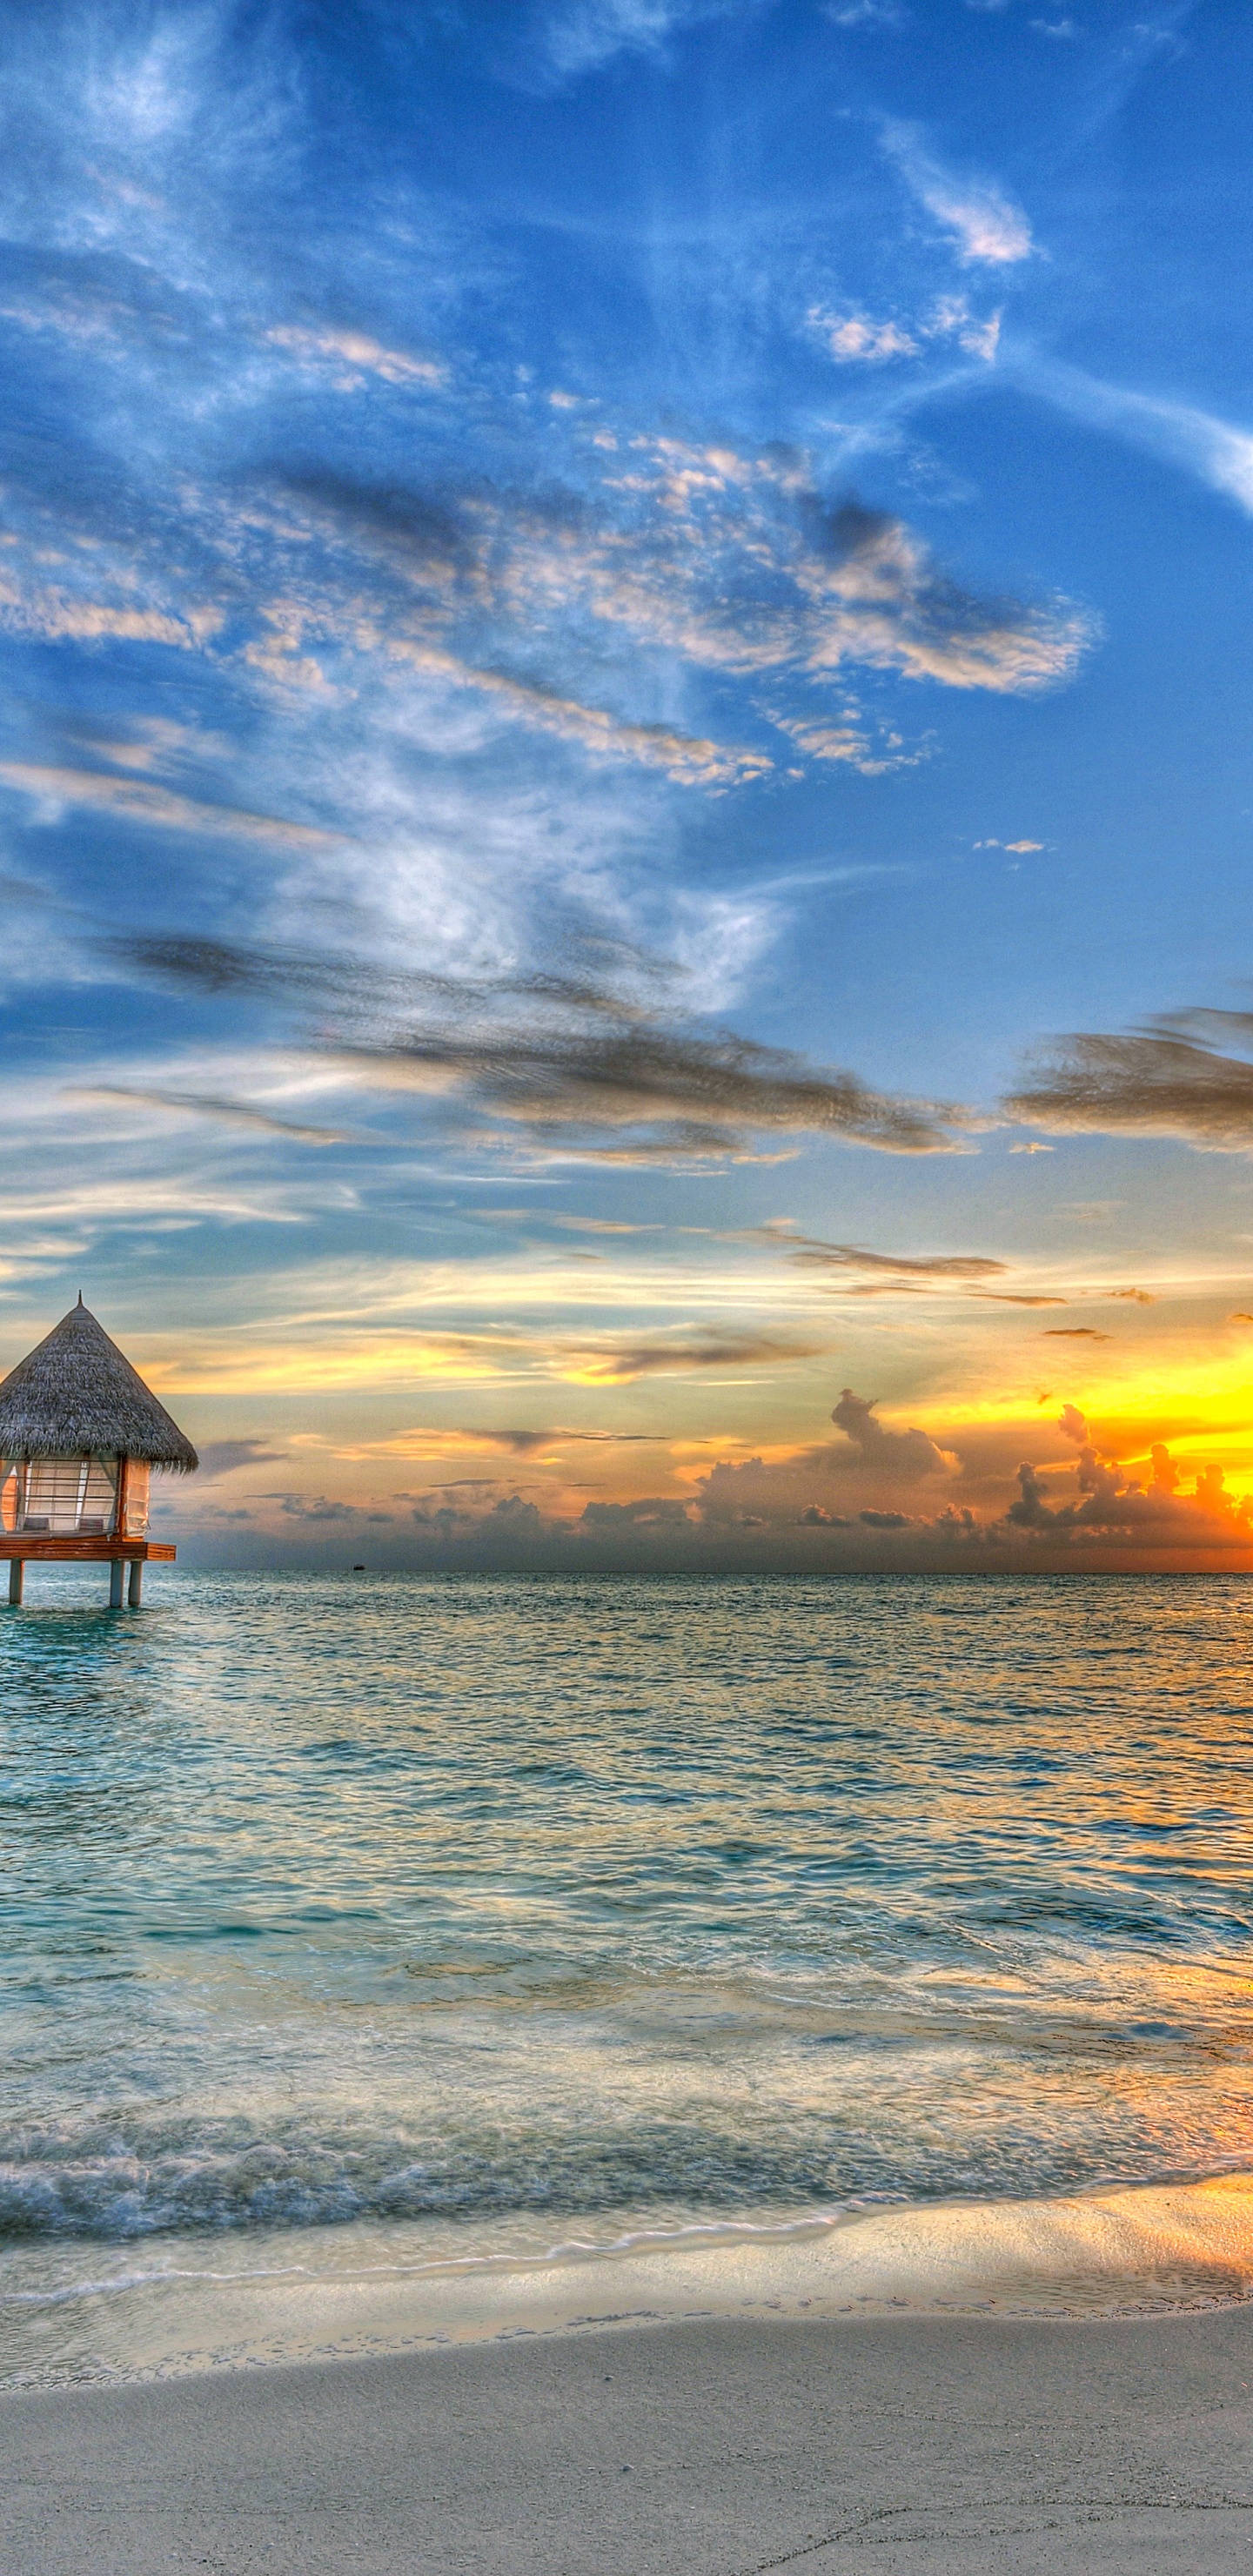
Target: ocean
[393,1958]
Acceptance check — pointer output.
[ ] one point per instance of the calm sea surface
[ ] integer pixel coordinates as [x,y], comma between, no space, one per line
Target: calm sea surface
[476,1918]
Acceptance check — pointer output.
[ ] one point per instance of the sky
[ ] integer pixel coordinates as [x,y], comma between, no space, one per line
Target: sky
[626,771]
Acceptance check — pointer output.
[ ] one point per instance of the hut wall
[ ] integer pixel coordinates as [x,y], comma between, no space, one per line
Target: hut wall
[67,1496]
[138,1487]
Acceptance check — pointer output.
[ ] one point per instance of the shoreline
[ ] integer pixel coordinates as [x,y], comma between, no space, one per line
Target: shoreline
[147,2312]
[973,2446]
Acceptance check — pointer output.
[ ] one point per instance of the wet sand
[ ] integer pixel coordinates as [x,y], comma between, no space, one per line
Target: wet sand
[957,2447]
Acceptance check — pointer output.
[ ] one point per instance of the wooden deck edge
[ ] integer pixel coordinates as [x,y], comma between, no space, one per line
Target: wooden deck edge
[86,1551]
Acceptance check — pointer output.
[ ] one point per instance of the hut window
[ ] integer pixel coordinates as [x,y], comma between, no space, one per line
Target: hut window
[138,1481]
[10,1496]
[65,1496]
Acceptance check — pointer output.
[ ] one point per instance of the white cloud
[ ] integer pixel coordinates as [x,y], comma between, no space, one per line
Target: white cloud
[1218,453]
[855,339]
[56,615]
[874,755]
[863,13]
[580,35]
[987,227]
[953,318]
[851,337]
[349,356]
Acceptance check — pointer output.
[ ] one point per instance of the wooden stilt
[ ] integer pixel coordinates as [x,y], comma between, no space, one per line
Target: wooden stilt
[16,1571]
[115,1583]
[135,1588]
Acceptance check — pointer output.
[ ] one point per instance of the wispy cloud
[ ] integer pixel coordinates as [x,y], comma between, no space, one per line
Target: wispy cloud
[864,13]
[573,37]
[730,559]
[1218,452]
[142,802]
[436,1440]
[340,1350]
[941,1269]
[978,334]
[684,757]
[347,358]
[619,1360]
[561,1058]
[225,1457]
[987,227]
[872,755]
[855,339]
[206,1104]
[1004,1297]
[360,598]
[879,598]
[1163,1080]
[49,613]
[109,1156]
[139,1201]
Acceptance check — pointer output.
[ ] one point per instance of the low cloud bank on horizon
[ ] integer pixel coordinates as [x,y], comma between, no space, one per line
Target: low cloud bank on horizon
[874,1500]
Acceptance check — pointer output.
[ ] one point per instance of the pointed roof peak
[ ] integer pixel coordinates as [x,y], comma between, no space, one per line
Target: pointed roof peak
[76,1396]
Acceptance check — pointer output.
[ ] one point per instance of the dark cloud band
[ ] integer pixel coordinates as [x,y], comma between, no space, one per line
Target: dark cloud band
[571,1056]
[1163,1080]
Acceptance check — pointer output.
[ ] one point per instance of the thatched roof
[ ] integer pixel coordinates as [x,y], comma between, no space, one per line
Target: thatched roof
[77,1397]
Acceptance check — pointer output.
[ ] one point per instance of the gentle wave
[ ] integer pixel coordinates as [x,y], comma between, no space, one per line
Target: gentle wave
[416,2263]
[1140,2252]
[138,2178]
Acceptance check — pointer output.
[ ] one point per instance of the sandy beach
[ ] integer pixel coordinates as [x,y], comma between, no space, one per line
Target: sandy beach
[952,2446]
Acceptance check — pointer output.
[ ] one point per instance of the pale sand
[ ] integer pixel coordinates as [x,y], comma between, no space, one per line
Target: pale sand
[973,2447]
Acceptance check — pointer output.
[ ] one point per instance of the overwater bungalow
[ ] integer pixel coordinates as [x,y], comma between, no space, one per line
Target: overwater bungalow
[80,1434]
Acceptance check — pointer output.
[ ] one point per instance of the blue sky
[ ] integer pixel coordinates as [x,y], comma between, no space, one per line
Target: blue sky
[626,633]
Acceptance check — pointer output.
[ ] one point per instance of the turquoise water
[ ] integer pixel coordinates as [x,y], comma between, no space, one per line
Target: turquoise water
[478,1917]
